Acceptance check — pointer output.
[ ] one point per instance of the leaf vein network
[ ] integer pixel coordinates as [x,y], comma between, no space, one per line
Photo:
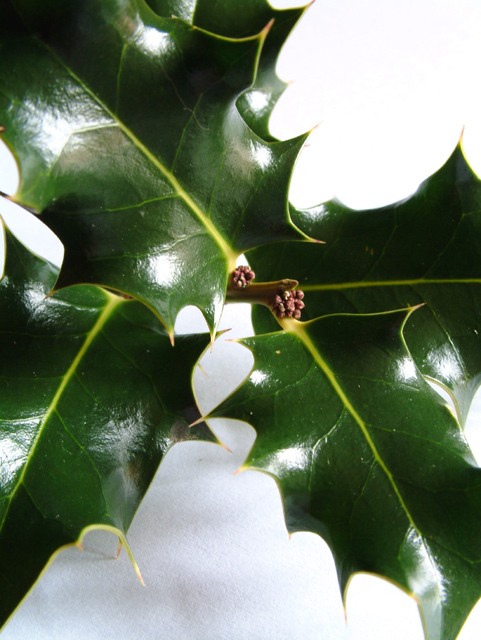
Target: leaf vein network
[134,364]
[322,439]
[417,436]
[184,130]
[455,349]
[152,254]
[203,218]
[110,305]
[81,447]
[310,346]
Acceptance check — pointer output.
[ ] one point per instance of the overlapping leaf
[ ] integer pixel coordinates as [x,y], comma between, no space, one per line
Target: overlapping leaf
[241,21]
[424,249]
[369,456]
[130,143]
[93,395]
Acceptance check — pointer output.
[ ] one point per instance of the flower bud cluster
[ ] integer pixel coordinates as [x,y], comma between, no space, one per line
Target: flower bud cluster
[289,304]
[242,276]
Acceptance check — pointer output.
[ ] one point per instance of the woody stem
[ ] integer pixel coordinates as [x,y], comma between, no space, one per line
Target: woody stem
[260,292]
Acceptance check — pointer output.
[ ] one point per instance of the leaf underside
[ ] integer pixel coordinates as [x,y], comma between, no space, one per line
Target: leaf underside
[367,455]
[93,397]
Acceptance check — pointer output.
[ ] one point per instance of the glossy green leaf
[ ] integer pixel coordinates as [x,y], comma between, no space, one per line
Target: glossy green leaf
[426,248]
[130,144]
[369,456]
[93,395]
[240,21]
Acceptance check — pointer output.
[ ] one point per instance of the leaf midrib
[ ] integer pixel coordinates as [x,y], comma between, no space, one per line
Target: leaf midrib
[362,284]
[300,332]
[229,254]
[112,303]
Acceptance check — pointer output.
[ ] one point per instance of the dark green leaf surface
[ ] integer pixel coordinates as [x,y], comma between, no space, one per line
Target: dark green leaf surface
[424,249]
[229,19]
[240,21]
[93,395]
[369,456]
[130,143]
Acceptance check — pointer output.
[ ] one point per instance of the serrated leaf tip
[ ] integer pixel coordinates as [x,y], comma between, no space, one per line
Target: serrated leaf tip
[242,468]
[123,539]
[268,27]
[198,421]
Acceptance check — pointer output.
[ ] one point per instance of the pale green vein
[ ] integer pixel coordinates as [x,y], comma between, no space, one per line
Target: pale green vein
[302,334]
[85,452]
[184,130]
[119,72]
[208,224]
[151,255]
[102,319]
[128,207]
[170,177]
[322,439]
[388,283]
[214,188]
[300,331]
[367,479]
[456,351]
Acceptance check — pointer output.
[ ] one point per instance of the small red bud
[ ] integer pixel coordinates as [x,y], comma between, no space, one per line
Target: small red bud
[288,304]
[242,276]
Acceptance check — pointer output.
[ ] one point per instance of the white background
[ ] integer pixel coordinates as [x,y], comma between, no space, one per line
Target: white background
[393,84]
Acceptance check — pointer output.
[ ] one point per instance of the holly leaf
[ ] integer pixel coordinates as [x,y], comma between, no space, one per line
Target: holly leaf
[147,170]
[425,249]
[241,21]
[367,455]
[93,396]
